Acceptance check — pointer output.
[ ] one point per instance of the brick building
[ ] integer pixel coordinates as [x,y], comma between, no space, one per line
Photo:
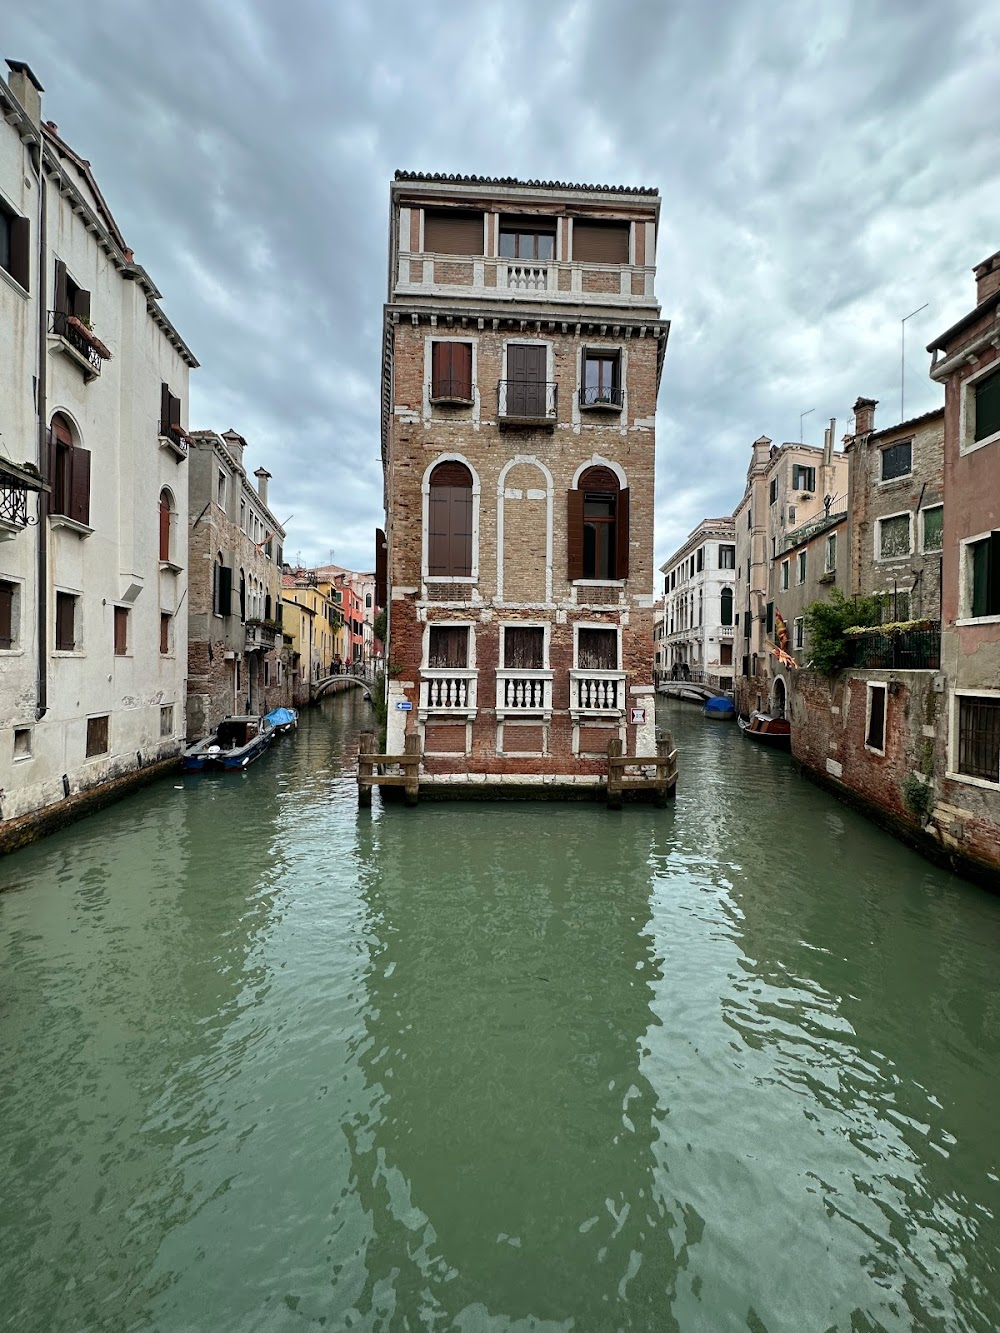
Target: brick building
[522,357]
[313,625]
[237,658]
[699,583]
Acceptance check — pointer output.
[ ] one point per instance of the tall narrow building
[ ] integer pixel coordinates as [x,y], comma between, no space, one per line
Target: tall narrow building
[522,357]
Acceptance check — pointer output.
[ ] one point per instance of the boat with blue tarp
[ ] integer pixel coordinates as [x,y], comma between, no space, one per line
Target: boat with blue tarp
[720,709]
[283,720]
[235,743]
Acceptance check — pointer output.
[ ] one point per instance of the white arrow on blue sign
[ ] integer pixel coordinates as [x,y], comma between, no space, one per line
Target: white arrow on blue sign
[404,705]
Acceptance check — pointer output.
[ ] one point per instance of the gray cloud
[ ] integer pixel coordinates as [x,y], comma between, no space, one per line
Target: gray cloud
[824,171]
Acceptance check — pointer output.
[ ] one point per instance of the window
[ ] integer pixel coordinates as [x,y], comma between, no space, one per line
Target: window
[897,460]
[531,239]
[448,646]
[791,513]
[769,618]
[220,490]
[803,478]
[97,735]
[601,380]
[798,632]
[523,647]
[800,567]
[368,600]
[66,604]
[784,575]
[170,412]
[69,470]
[167,720]
[979,738]
[15,245]
[875,735]
[933,528]
[749,519]
[165,620]
[449,522]
[8,598]
[267,670]
[725,654]
[243,596]
[986,406]
[726,606]
[453,231]
[121,631]
[727,557]
[831,553]
[894,537]
[597,649]
[243,517]
[774,491]
[223,599]
[166,511]
[451,372]
[699,563]
[597,529]
[983,565]
[600,242]
[22,742]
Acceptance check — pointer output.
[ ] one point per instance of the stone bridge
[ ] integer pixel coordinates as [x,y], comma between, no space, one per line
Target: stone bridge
[336,684]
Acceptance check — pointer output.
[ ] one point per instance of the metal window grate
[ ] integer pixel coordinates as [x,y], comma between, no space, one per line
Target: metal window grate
[979,738]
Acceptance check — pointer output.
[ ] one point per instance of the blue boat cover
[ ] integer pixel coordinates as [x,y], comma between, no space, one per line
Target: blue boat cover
[279,716]
[720,705]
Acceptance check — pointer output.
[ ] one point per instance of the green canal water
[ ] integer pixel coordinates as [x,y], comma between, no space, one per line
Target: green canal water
[269,1064]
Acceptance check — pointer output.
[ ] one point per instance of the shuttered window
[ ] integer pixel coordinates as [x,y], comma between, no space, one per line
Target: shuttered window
[170,411]
[69,473]
[451,371]
[121,631]
[223,590]
[15,246]
[65,622]
[97,735]
[984,562]
[875,737]
[987,391]
[600,242]
[453,231]
[164,632]
[726,606]
[164,525]
[524,647]
[381,569]
[6,614]
[597,650]
[598,527]
[897,460]
[449,528]
[448,646]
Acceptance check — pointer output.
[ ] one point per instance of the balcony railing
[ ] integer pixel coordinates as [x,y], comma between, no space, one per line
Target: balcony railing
[448,690]
[596,692]
[609,399]
[527,277]
[80,339]
[725,631]
[444,390]
[524,691]
[908,650]
[259,636]
[527,403]
[15,483]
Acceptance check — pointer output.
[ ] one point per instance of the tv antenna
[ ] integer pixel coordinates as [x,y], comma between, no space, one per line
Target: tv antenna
[902,357]
[802,416]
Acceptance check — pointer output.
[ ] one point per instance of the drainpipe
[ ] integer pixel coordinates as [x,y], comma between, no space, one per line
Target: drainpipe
[42,573]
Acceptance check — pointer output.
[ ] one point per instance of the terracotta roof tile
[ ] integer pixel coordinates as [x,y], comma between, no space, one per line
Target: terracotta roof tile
[441,178]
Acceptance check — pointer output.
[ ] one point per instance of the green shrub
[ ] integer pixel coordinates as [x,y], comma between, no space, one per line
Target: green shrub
[827,623]
[919,796]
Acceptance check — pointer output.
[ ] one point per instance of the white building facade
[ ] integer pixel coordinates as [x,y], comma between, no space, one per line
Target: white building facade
[93,483]
[698,605]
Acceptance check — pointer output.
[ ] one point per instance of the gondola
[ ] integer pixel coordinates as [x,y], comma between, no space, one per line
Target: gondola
[774,731]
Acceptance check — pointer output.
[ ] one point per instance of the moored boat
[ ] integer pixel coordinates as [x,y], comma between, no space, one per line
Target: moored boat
[766,729]
[283,720]
[235,743]
[720,709]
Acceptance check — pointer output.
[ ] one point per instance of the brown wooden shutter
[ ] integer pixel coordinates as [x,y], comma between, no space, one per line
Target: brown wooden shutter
[381,569]
[20,251]
[79,486]
[121,631]
[225,590]
[81,304]
[440,368]
[574,535]
[164,528]
[175,411]
[438,519]
[453,231]
[461,369]
[460,534]
[164,632]
[60,300]
[65,615]
[164,409]
[600,242]
[621,536]
[6,615]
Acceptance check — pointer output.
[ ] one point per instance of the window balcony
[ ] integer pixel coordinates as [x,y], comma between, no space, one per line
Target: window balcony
[726,631]
[596,693]
[524,693]
[15,483]
[527,405]
[576,282]
[80,344]
[448,690]
[595,399]
[917,649]
[260,636]
[173,439]
[524,277]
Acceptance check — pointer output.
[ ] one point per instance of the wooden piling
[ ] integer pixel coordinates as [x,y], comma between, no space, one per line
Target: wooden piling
[366,747]
[666,772]
[614,774]
[411,746]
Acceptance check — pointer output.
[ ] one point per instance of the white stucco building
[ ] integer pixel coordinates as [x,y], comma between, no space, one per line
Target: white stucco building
[699,582]
[93,482]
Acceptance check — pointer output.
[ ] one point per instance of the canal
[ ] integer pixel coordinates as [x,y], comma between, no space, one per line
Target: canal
[267,1064]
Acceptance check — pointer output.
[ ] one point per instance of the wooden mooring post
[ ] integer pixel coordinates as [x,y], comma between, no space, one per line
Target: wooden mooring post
[366,747]
[411,792]
[408,762]
[663,785]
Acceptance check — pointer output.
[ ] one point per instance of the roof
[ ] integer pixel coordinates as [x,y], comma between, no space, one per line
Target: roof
[814,528]
[906,425]
[441,178]
[940,343]
[51,132]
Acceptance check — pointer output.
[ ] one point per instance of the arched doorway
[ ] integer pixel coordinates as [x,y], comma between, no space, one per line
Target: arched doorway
[778,698]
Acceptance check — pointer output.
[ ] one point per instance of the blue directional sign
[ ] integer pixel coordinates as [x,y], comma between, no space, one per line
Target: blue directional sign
[404,705]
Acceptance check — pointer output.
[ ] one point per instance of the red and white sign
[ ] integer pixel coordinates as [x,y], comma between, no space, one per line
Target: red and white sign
[638,717]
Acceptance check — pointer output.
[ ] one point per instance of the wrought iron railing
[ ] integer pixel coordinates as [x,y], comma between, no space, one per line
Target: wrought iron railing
[13,502]
[449,390]
[593,396]
[908,650]
[527,403]
[60,323]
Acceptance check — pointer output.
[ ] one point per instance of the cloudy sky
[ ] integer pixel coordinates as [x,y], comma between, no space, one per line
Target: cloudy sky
[825,169]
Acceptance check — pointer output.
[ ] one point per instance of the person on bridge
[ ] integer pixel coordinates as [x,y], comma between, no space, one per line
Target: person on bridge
[338,666]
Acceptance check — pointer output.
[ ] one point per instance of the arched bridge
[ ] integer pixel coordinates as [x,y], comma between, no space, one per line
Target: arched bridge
[334,684]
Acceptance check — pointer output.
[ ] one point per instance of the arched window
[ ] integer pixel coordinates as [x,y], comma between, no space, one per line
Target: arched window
[726,606]
[243,596]
[69,473]
[267,607]
[597,528]
[223,587]
[166,509]
[449,522]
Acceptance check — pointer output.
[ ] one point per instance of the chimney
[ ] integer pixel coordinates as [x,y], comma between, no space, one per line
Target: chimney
[762,450]
[263,477]
[864,415]
[235,444]
[26,88]
[828,437]
[987,278]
